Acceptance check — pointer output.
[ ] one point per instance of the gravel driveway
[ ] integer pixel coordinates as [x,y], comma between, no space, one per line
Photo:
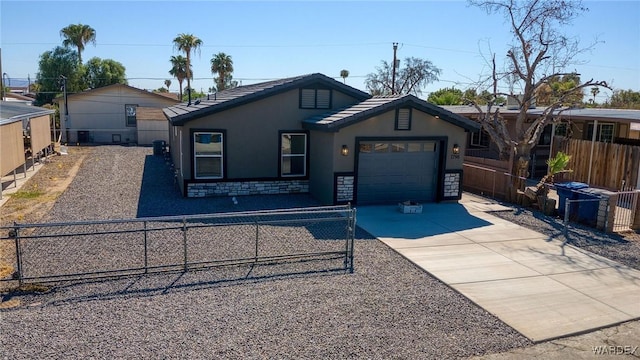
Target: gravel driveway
[387,309]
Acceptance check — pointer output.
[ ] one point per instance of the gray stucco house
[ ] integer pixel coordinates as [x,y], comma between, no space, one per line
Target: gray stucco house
[313,134]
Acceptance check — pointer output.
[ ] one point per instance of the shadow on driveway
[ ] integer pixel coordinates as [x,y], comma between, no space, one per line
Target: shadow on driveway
[435,219]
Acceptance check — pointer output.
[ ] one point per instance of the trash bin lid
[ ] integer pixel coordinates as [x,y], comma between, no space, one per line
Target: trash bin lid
[597,192]
[573,185]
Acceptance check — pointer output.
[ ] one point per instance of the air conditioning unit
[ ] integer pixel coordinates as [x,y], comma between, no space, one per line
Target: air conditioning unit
[513,104]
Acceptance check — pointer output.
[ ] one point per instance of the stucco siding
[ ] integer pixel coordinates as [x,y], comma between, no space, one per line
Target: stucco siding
[253,133]
[422,125]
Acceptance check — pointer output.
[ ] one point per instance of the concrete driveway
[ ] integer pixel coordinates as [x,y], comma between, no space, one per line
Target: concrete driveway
[532,283]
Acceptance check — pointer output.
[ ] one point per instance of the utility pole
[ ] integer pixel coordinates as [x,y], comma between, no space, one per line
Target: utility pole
[63,122]
[393,70]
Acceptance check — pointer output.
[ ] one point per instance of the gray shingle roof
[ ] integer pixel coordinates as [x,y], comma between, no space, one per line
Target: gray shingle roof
[380,104]
[11,112]
[227,99]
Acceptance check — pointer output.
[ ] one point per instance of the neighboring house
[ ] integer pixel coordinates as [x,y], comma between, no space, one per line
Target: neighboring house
[107,115]
[313,134]
[152,125]
[23,129]
[612,125]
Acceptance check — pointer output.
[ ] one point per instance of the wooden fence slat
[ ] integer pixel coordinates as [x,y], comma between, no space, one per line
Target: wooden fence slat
[612,163]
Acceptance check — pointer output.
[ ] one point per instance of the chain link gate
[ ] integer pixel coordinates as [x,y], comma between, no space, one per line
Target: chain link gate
[314,239]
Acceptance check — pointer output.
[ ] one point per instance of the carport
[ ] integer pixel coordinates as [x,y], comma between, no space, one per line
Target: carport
[17,123]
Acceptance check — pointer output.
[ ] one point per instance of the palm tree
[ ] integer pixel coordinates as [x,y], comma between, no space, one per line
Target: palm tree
[179,70]
[344,74]
[186,43]
[167,83]
[595,91]
[78,35]
[222,65]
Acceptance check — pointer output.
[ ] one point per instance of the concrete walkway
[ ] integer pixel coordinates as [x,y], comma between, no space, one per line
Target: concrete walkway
[541,289]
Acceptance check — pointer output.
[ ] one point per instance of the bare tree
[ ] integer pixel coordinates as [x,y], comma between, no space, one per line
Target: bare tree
[415,75]
[539,54]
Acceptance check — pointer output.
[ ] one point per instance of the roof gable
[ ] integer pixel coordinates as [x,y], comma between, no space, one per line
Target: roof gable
[113,87]
[228,99]
[377,105]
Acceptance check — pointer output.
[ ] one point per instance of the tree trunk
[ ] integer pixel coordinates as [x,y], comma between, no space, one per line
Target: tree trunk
[519,172]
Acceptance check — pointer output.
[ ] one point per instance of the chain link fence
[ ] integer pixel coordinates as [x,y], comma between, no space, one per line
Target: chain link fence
[315,239]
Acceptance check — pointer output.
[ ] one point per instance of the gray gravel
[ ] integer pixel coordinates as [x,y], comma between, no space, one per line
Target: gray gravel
[388,308]
[623,249]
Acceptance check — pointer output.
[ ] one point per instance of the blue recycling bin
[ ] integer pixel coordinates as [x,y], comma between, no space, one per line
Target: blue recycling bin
[566,191]
[588,209]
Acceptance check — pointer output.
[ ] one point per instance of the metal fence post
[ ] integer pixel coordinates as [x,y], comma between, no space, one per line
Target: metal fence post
[350,239]
[184,242]
[566,219]
[16,230]
[146,257]
[257,237]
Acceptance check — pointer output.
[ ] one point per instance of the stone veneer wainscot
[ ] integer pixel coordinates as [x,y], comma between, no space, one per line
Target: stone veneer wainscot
[239,188]
[451,185]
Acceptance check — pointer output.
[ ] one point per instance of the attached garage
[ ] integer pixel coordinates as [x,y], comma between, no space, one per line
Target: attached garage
[387,150]
[397,170]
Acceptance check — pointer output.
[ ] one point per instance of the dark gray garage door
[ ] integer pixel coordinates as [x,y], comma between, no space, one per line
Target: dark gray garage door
[395,171]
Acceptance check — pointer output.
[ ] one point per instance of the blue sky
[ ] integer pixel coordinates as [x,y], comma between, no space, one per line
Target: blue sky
[268,40]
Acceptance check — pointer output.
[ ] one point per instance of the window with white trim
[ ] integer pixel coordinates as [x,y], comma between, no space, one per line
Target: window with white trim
[293,154]
[208,155]
[315,98]
[479,139]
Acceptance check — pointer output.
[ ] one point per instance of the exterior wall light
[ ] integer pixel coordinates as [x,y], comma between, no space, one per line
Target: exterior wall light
[345,150]
[456,149]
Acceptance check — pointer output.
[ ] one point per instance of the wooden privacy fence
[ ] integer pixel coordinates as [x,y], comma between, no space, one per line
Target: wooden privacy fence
[486,176]
[611,166]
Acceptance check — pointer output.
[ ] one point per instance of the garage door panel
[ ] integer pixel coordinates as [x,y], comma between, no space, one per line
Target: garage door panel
[398,176]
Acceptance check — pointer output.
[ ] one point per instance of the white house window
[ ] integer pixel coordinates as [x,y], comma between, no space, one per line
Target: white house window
[130,113]
[479,139]
[315,98]
[403,119]
[604,133]
[208,156]
[293,154]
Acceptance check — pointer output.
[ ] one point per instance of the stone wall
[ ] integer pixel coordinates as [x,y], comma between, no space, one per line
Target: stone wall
[239,188]
[452,185]
[344,188]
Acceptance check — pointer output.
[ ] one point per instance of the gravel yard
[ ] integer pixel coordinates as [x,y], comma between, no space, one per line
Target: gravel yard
[388,308]
[624,248]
